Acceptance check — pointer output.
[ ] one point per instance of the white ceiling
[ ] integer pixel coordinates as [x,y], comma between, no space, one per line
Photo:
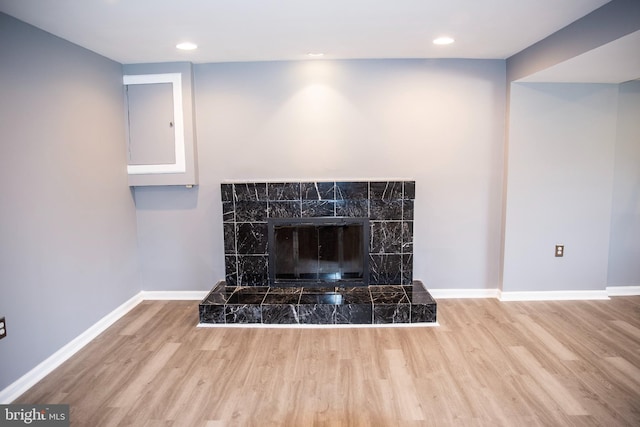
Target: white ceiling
[138,31]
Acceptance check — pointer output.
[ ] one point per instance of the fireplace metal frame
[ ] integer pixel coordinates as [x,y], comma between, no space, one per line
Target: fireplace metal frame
[272,223]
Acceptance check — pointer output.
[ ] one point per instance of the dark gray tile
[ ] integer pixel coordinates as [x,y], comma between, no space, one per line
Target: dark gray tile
[385,237]
[391,313]
[228,212]
[355,295]
[231,270]
[251,238]
[317,208]
[352,208]
[229,232]
[331,298]
[239,298]
[385,269]
[245,192]
[420,296]
[226,192]
[407,269]
[352,190]
[385,210]
[388,295]
[317,314]
[279,314]
[251,290]
[211,314]
[292,298]
[354,314]
[251,211]
[318,190]
[423,313]
[247,313]
[286,209]
[409,190]
[252,270]
[283,191]
[285,290]
[216,297]
[318,289]
[407,210]
[407,237]
[390,190]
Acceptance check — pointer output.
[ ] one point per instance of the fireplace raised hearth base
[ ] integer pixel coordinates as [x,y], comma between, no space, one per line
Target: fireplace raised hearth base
[313,305]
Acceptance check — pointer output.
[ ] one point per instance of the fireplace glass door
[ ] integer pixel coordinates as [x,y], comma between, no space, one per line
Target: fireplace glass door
[318,250]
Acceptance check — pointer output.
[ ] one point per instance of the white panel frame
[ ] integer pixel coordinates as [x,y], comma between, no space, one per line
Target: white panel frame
[180,165]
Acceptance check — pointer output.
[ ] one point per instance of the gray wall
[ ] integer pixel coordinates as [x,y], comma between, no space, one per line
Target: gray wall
[67,218]
[605,24]
[440,122]
[624,250]
[559,189]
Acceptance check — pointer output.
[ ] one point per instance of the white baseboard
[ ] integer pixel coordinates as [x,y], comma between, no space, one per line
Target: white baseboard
[464,293]
[553,295]
[533,295]
[28,380]
[623,291]
[174,295]
[24,383]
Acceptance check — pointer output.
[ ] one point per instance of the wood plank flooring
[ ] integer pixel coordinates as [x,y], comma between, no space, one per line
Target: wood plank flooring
[489,363]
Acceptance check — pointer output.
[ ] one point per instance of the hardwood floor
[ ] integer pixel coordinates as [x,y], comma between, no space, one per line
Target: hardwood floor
[489,363]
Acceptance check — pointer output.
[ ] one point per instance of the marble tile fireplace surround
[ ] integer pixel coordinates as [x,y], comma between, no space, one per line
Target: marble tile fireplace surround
[320,252]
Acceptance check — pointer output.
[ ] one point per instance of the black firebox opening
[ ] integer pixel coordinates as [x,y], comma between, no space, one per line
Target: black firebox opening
[318,251]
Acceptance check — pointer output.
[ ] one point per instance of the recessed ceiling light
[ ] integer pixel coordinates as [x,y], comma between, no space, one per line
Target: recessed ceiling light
[315,55]
[187,46]
[443,40]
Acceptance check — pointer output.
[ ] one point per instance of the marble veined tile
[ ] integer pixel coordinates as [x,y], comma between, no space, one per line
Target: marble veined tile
[283,191]
[317,208]
[226,192]
[211,313]
[251,211]
[390,190]
[279,314]
[284,209]
[391,313]
[409,190]
[245,192]
[388,295]
[317,314]
[354,314]
[386,237]
[317,305]
[251,238]
[352,208]
[318,190]
[352,190]
[243,313]
[385,210]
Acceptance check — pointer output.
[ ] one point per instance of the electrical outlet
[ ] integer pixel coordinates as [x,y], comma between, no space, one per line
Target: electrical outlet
[559,250]
[3,327]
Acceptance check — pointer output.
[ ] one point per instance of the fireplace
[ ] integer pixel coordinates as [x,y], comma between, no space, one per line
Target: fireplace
[318,251]
[249,207]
